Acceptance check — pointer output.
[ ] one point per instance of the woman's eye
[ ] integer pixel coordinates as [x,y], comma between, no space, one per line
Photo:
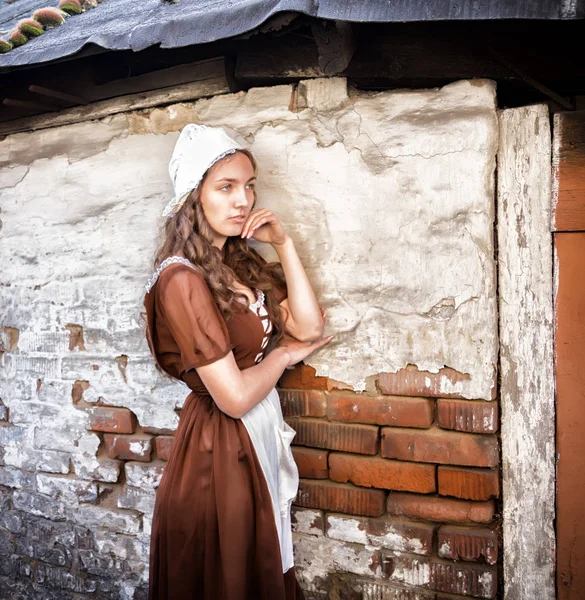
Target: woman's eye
[251,186]
[226,187]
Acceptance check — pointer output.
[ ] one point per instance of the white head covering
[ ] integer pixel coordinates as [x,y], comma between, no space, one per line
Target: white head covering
[196,150]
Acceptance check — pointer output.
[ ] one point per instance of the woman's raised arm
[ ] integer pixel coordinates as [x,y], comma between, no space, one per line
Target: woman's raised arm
[236,392]
[302,316]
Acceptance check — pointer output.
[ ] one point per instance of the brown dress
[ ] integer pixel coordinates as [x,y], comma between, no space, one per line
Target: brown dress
[214,535]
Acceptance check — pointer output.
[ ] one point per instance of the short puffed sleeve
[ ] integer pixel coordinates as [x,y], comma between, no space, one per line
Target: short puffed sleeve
[192,317]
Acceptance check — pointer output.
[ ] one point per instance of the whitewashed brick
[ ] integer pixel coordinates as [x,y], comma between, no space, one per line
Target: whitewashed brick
[96,517]
[67,489]
[143,475]
[393,534]
[15,478]
[42,506]
[307,520]
[137,499]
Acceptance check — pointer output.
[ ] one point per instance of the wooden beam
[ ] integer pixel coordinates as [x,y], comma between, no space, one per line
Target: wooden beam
[28,105]
[44,91]
[527,389]
[336,45]
[99,110]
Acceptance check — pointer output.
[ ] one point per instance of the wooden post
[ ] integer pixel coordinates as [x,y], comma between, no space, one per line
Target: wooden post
[525,267]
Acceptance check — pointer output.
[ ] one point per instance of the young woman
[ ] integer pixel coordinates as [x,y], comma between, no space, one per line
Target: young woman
[224,321]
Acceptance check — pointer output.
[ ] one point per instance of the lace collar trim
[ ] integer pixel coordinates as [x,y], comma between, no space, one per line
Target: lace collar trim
[179,259]
[165,263]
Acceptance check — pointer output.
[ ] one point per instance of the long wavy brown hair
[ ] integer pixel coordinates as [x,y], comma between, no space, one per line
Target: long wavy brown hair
[189,234]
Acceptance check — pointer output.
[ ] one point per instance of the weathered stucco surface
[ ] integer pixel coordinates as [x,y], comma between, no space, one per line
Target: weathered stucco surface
[389,198]
[526,332]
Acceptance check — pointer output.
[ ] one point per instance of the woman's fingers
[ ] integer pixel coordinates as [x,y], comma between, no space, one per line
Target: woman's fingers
[312,347]
[260,221]
[252,217]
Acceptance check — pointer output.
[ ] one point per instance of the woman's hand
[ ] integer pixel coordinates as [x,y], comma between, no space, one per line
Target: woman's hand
[263,225]
[297,351]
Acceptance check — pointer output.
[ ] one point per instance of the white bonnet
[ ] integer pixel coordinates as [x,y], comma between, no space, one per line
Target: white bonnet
[197,149]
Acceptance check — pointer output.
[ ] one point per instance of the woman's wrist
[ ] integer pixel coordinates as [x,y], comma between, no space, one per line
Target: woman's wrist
[286,241]
[282,356]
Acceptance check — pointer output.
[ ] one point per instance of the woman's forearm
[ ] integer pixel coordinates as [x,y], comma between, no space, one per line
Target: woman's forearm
[237,392]
[302,302]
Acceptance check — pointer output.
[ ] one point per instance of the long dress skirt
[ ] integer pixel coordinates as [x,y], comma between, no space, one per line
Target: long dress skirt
[214,535]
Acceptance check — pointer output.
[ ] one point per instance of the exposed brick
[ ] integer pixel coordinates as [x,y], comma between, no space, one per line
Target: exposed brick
[469,484]
[465,543]
[77,391]
[340,498]
[381,473]
[477,581]
[163,445]
[128,447]
[142,475]
[468,415]
[438,446]
[111,419]
[406,569]
[75,337]
[311,463]
[306,520]
[137,499]
[302,377]
[159,431]
[303,403]
[384,591]
[434,508]
[380,410]
[412,382]
[362,439]
[390,533]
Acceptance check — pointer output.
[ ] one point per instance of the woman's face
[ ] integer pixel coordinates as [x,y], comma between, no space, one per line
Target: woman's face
[227,196]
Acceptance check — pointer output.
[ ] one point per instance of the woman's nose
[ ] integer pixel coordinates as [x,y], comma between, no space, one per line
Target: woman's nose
[240,197]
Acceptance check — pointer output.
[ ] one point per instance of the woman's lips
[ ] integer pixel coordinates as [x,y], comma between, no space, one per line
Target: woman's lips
[238,218]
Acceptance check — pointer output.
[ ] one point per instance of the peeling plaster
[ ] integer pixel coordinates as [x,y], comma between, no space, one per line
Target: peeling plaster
[388,196]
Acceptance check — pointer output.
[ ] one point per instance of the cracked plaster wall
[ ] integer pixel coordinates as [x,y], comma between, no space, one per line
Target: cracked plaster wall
[389,197]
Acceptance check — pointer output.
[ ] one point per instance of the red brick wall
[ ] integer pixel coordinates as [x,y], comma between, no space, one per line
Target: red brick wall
[401,490]
[424,468]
